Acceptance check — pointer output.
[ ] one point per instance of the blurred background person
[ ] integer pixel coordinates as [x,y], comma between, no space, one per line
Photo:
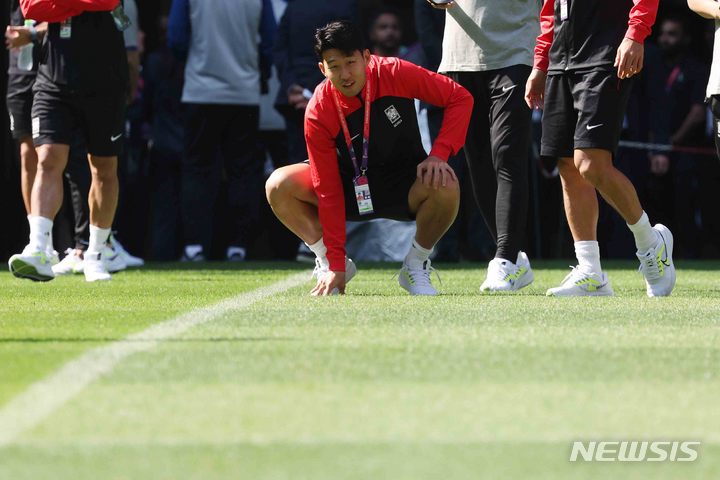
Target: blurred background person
[226,70]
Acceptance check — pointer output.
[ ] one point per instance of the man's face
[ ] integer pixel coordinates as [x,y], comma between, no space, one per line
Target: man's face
[347,74]
[386,32]
[671,38]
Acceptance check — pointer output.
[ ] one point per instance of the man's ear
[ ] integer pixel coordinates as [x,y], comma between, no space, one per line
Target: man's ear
[321,66]
[366,55]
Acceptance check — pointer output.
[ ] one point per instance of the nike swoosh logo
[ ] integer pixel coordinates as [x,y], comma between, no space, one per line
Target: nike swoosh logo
[664,260]
[593,127]
[507,89]
[353,138]
[115,138]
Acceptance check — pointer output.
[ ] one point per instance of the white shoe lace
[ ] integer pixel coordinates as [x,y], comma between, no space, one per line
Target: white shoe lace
[574,275]
[649,266]
[421,276]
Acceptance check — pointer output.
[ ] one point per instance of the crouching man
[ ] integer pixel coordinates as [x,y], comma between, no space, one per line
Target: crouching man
[367,159]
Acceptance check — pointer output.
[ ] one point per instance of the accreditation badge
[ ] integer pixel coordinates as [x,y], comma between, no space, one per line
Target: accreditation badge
[66,28]
[362,195]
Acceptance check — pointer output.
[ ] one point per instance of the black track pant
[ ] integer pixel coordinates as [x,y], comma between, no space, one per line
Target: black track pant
[230,132]
[496,151]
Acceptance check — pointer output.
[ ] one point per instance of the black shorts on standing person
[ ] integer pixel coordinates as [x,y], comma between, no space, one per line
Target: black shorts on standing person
[20,83]
[82,85]
[587,111]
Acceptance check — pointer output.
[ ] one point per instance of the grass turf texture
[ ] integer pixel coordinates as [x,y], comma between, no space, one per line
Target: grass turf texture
[373,385]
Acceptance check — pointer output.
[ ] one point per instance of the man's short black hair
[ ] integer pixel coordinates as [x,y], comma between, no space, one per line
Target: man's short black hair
[341,35]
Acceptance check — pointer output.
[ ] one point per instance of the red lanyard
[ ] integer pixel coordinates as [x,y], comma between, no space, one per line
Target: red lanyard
[359,171]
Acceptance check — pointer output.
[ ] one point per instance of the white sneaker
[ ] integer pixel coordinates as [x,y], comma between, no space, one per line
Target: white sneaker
[113,260]
[580,284]
[95,268]
[71,263]
[53,257]
[505,276]
[417,280]
[657,265]
[31,265]
[130,260]
[320,270]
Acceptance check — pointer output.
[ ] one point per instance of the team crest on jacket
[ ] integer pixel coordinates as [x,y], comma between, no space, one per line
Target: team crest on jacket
[393,115]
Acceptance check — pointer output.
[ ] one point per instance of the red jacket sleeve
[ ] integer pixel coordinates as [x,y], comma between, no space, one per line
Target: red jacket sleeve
[58,10]
[642,19]
[438,90]
[545,39]
[326,181]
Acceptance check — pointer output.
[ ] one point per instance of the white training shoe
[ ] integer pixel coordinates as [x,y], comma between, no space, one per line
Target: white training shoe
[95,268]
[657,265]
[417,280]
[131,261]
[31,265]
[320,270]
[71,263]
[113,260]
[580,284]
[53,256]
[506,276]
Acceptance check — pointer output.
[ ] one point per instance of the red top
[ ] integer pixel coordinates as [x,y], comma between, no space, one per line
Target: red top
[390,77]
[642,18]
[53,11]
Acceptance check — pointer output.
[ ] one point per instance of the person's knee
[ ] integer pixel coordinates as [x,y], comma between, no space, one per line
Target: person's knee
[278,185]
[104,169]
[592,167]
[50,161]
[446,194]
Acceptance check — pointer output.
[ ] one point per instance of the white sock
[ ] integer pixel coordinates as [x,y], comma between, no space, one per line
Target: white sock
[588,256]
[320,251]
[417,256]
[98,238]
[40,232]
[645,236]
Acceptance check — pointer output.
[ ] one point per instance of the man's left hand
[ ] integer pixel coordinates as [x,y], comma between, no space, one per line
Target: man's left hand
[629,58]
[435,173]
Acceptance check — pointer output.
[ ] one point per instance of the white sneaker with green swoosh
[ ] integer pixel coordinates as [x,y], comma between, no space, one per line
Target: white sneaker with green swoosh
[657,265]
[580,284]
[506,276]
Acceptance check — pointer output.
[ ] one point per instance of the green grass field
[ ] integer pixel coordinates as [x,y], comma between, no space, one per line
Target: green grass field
[373,385]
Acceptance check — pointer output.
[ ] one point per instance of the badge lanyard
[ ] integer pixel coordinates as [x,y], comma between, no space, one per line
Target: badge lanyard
[362,188]
[563,10]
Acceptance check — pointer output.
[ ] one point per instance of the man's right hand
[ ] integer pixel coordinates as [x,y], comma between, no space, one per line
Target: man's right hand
[535,89]
[16,37]
[328,283]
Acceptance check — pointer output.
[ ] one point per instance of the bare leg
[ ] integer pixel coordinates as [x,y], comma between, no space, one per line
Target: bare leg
[28,170]
[47,192]
[596,167]
[580,201]
[291,196]
[104,190]
[435,210]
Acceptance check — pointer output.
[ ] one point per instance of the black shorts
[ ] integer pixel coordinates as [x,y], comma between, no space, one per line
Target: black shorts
[58,116]
[19,104]
[389,191]
[583,110]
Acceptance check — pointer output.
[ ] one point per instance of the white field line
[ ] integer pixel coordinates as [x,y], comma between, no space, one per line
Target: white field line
[44,397]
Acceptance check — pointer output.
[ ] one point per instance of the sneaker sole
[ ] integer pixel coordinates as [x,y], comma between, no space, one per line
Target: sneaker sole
[527,280]
[22,269]
[606,293]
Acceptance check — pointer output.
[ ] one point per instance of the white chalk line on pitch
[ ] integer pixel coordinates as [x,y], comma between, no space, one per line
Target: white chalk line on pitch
[44,397]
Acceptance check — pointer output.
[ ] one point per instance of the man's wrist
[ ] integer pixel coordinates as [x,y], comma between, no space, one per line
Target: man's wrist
[33,34]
